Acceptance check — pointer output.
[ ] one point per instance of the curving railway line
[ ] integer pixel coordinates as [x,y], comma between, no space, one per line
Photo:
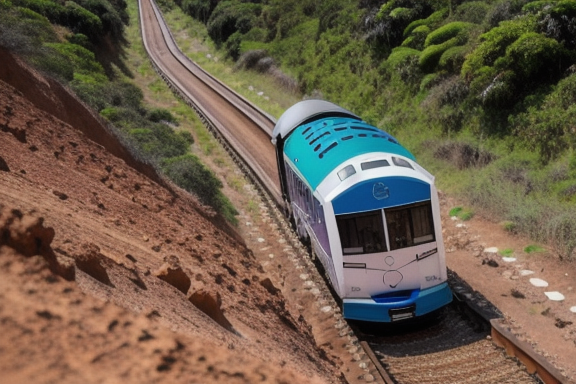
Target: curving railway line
[465,343]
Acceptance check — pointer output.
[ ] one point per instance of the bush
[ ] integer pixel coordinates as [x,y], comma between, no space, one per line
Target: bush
[417,38]
[157,115]
[431,21]
[493,44]
[188,173]
[112,17]
[453,58]
[24,31]
[159,141]
[81,59]
[80,20]
[199,9]
[431,55]
[230,17]
[456,29]
[471,12]
[562,231]
[535,58]
[559,23]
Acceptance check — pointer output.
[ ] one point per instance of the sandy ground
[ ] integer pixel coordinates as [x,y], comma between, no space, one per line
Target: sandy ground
[110,274]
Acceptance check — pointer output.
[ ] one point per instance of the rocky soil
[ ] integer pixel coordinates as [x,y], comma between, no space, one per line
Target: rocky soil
[108,273]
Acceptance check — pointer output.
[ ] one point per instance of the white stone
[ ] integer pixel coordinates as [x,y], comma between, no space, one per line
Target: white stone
[573,309]
[261,240]
[304,276]
[526,272]
[491,250]
[508,259]
[326,309]
[554,296]
[538,282]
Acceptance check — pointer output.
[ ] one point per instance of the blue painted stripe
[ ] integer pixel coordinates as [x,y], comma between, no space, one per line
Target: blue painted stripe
[317,148]
[426,301]
[381,193]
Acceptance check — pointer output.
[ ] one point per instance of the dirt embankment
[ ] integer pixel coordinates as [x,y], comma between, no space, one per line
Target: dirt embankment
[109,274]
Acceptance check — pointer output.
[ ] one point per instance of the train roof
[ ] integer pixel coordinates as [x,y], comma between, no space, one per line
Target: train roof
[306,110]
[318,147]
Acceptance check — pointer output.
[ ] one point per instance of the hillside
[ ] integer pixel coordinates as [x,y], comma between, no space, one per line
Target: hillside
[108,275]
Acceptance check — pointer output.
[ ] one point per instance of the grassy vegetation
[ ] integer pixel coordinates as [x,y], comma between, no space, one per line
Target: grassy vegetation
[481,91]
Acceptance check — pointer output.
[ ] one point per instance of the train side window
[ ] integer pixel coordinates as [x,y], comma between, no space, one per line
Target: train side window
[410,225]
[361,233]
[401,162]
[346,172]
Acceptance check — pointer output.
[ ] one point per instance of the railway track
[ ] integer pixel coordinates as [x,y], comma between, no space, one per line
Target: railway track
[464,343]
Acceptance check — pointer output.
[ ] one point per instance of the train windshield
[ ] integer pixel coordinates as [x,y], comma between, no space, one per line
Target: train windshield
[407,226]
[410,225]
[362,233]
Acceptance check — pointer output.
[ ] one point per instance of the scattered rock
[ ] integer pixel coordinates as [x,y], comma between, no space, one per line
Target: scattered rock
[517,294]
[172,273]
[269,286]
[490,262]
[538,282]
[90,262]
[211,305]
[561,323]
[554,296]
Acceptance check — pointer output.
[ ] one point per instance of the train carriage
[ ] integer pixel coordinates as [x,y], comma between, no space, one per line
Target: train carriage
[370,212]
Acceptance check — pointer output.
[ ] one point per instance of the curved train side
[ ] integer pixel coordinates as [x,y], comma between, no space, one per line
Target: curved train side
[370,212]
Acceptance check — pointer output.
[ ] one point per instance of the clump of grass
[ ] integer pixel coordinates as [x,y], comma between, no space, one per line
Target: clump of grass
[508,226]
[463,214]
[507,252]
[454,212]
[533,248]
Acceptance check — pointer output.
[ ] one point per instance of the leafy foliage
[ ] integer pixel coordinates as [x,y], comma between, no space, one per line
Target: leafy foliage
[230,17]
[189,173]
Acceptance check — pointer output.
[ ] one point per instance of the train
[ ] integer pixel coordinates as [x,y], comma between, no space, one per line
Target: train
[369,212]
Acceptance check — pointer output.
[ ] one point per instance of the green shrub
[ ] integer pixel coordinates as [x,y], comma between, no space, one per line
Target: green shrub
[230,17]
[189,173]
[53,64]
[54,11]
[536,58]
[82,60]
[536,6]
[159,141]
[157,115]
[508,226]
[562,232]
[471,12]
[431,55]
[113,16]
[417,38]
[431,21]
[456,30]
[453,58]
[493,44]
[80,20]
[199,9]
[399,55]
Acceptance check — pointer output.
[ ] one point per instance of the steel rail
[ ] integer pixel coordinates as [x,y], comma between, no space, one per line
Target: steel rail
[502,337]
